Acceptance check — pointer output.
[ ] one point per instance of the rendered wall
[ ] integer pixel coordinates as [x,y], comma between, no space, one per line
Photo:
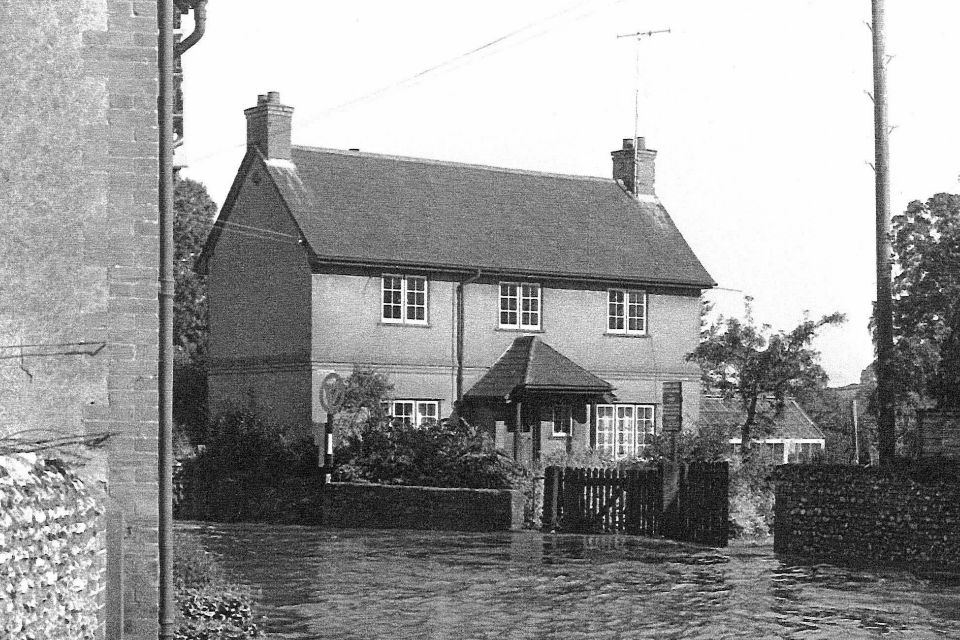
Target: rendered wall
[79,250]
[421,360]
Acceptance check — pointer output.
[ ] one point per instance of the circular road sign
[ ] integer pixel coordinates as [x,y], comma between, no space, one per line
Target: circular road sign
[332,392]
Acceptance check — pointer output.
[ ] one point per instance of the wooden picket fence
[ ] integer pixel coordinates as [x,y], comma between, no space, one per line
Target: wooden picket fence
[631,501]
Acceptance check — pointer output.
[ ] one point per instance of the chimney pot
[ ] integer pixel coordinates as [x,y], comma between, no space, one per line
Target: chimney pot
[268,126]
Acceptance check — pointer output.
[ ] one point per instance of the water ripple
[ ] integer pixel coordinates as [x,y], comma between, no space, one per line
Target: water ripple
[345,584]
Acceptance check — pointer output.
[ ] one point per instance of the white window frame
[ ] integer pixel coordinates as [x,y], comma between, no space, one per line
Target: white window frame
[519,298]
[405,306]
[790,446]
[421,410]
[630,300]
[624,430]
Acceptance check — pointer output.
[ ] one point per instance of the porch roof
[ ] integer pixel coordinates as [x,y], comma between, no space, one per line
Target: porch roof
[530,364]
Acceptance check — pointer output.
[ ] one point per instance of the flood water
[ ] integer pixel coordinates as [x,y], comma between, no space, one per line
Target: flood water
[370,584]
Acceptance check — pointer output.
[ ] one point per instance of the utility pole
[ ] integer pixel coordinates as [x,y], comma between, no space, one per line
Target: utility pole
[883,313]
[856,435]
[636,97]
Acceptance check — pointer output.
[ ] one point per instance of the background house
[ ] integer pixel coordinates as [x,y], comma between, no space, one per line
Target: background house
[790,437]
[439,274]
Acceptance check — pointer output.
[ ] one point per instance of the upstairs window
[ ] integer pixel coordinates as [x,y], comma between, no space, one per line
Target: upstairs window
[519,305]
[627,312]
[404,299]
[415,412]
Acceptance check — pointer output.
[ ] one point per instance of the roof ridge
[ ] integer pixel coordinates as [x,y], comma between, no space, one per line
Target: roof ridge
[454,163]
[529,359]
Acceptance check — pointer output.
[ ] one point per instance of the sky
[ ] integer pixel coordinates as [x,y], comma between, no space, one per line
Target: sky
[760,112]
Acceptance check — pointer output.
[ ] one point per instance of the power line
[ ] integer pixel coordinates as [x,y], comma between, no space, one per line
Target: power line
[446,63]
[449,63]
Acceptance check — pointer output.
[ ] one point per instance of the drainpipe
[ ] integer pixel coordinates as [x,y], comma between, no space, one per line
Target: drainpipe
[165,373]
[460,331]
[165,57]
[179,48]
[199,28]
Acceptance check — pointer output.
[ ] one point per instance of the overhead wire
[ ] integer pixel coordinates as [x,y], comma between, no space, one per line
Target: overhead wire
[487,48]
[453,62]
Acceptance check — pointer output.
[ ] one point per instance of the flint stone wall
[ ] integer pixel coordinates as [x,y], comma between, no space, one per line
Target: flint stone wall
[52,553]
[908,516]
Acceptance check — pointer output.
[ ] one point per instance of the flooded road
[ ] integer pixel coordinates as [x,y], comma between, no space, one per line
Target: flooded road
[369,584]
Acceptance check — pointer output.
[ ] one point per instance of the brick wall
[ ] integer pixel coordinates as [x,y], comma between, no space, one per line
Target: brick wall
[259,312]
[908,517]
[80,250]
[378,506]
[349,505]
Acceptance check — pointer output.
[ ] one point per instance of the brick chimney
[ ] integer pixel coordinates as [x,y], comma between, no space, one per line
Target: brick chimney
[623,164]
[268,126]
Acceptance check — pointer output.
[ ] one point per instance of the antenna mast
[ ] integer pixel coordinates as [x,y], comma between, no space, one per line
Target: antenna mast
[636,97]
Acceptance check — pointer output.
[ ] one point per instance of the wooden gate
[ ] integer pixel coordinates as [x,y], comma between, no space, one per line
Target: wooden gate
[700,512]
[632,501]
[603,500]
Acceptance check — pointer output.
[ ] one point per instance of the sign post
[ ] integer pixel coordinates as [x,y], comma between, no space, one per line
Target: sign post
[332,393]
[673,413]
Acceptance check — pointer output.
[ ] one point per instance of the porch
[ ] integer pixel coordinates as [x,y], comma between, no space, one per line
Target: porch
[536,403]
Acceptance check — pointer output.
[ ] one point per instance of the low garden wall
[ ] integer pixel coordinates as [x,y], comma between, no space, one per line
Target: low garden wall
[52,557]
[379,506]
[282,500]
[900,516]
[349,505]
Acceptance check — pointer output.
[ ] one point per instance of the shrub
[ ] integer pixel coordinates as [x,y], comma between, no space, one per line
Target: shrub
[592,459]
[437,454]
[242,444]
[190,395]
[209,605]
[751,497]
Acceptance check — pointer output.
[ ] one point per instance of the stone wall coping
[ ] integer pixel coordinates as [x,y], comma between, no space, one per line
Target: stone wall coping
[401,487]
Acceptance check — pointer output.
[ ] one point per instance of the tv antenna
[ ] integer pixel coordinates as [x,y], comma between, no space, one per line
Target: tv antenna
[638,36]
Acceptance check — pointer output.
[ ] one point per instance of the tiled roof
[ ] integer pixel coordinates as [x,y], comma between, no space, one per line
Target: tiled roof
[375,209]
[530,364]
[791,423]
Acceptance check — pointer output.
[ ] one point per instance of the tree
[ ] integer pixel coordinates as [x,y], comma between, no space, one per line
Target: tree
[193,217]
[926,302]
[750,364]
